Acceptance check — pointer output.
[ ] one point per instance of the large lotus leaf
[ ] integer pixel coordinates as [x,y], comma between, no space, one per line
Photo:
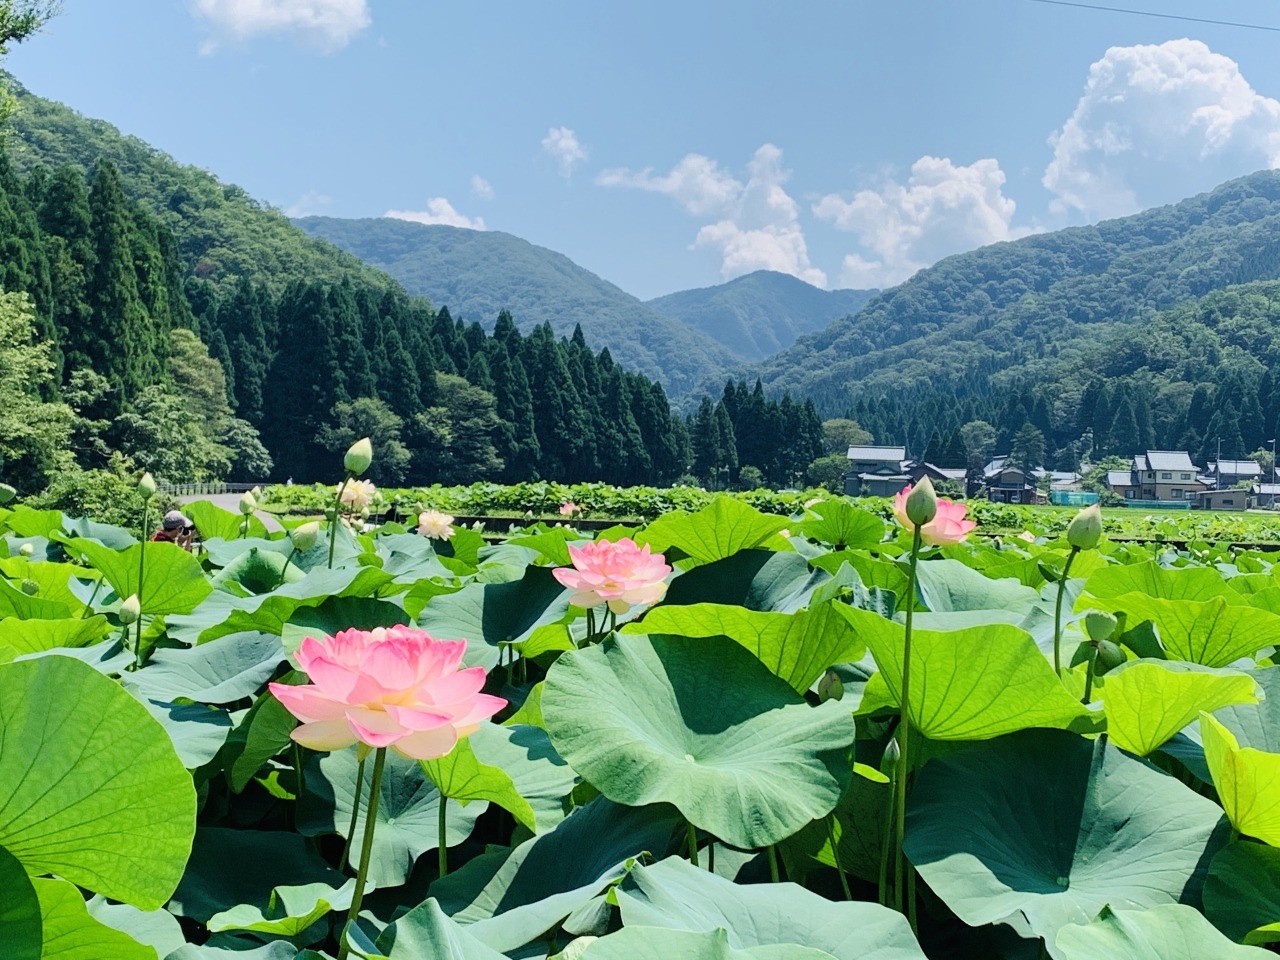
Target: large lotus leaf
[971,684]
[950,586]
[857,826]
[657,943]
[90,786]
[839,524]
[222,613]
[297,913]
[1211,632]
[677,895]
[513,766]
[1045,828]
[408,815]
[341,613]
[226,947]
[255,571]
[1153,580]
[70,933]
[798,647]
[1167,932]
[221,671]
[258,736]
[20,923]
[197,731]
[154,928]
[28,522]
[424,933]
[718,530]
[215,523]
[509,898]
[15,603]
[1242,893]
[1147,701]
[230,867]
[37,636]
[754,579]
[703,725]
[107,534]
[1257,725]
[54,580]
[172,579]
[489,614]
[1247,780]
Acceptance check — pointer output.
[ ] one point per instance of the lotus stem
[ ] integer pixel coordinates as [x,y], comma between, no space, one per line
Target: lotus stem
[1057,612]
[355,811]
[693,845]
[773,863]
[711,854]
[443,840]
[366,849]
[88,609]
[835,855]
[333,524]
[285,569]
[1088,676]
[142,566]
[904,731]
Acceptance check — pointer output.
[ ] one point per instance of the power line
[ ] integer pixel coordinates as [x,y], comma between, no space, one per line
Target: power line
[1161,16]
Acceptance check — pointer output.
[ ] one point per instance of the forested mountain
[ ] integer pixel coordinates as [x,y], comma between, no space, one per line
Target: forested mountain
[1037,330]
[762,313]
[478,273]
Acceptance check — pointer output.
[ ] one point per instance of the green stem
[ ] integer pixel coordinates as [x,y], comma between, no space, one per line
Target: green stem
[1088,675]
[904,733]
[693,845]
[285,569]
[142,566]
[444,841]
[773,864]
[366,849]
[591,624]
[299,776]
[835,855]
[333,524]
[1057,612]
[355,812]
[711,854]
[911,901]
[88,609]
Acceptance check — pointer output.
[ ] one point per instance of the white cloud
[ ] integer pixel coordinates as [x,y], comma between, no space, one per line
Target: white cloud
[309,204]
[439,210]
[1156,123]
[327,25]
[942,209]
[481,187]
[757,223]
[563,144]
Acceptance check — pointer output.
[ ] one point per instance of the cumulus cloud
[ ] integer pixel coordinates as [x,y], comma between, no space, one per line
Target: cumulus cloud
[439,210]
[326,25]
[943,208]
[1158,122]
[757,223]
[309,204]
[481,187]
[563,144]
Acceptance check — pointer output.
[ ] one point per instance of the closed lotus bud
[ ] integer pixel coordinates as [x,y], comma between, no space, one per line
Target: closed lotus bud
[830,687]
[922,503]
[130,610]
[7,493]
[1085,529]
[147,486]
[1099,626]
[306,536]
[30,587]
[248,504]
[359,456]
[1109,657]
[27,550]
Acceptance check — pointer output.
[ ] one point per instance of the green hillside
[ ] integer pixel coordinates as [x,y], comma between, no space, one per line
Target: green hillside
[476,274]
[760,314]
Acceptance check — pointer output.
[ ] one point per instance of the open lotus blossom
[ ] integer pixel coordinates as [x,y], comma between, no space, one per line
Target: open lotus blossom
[358,494]
[618,574]
[948,526]
[394,687]
[569,508]
[436,525]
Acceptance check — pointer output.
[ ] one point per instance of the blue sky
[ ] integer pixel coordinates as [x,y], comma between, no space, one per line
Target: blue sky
[672,145]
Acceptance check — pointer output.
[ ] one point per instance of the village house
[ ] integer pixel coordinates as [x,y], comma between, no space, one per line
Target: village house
[1157,475]
[1225,474]
[876,471]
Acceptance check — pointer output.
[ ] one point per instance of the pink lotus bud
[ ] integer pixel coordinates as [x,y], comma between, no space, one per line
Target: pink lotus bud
[948,524]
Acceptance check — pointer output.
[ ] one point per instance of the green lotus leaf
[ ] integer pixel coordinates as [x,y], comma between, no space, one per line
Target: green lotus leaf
[1151,579]
[258,736]
[657,943]
[53,579]
[424,932]
[226,947]
[15,603]
[798,647]
[197,731]
[90,786]
[1212,632]
[508,898]
[1044,828]
[70,933]
[1242,893]
[1257,725]
[215,523]
[28,522]
[858,829]
[950,586]
[754,579]
[703,725]
[39,636]
[841,525]
[1247,780]
[1167,932]
[221,671]
[107,534]
[153,928]
[676,895]
[172,580]
[719,530]
[255,571]
[971,684]
[297,913]
[1147,701]
[408,816]
[20,923]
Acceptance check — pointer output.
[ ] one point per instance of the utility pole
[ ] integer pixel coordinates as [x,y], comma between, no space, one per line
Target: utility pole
[1217,468]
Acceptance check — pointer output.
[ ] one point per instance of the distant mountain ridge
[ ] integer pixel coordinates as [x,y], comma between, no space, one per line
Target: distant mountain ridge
[477,274]
[762,313]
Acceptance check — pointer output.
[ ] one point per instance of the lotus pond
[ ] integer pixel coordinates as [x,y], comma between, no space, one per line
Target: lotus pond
[712,775]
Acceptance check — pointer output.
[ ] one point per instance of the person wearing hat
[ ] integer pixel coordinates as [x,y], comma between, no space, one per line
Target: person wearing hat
[175,529]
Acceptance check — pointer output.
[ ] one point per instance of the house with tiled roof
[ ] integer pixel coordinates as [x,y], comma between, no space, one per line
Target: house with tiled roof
[1162,475]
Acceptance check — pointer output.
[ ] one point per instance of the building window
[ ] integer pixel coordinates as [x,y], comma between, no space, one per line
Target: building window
[1184,476]
[1128,494]
[1176,493]
[1228,501]
[1166,476]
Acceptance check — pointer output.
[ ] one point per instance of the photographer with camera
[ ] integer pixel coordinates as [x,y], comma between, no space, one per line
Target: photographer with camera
[175,529]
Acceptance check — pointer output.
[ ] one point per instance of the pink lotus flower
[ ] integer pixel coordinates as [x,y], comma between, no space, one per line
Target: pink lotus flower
[391,687]
[948,526]
[569,508]
[358,494]
[619,575]
[436,525]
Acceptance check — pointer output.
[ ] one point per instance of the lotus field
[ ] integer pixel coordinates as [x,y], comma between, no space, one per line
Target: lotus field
[724,734]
